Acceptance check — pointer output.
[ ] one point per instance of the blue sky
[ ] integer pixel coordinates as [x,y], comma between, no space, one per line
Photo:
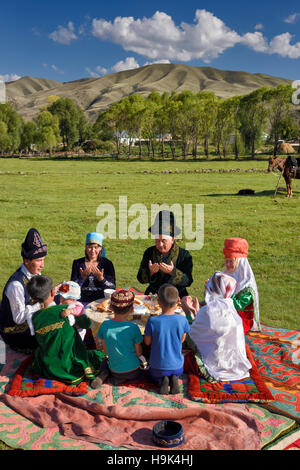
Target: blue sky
[64,41]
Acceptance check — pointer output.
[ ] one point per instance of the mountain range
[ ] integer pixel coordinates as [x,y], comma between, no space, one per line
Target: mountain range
[93,95]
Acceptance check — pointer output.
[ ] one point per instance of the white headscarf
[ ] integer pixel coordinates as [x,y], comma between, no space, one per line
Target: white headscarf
[218,332]
[244,277]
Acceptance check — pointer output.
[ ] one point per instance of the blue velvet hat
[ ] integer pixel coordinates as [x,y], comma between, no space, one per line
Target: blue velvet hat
[167,433]
[94,237]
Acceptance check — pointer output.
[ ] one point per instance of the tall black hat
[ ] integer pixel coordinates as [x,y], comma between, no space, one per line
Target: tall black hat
[165,224]
[33,246]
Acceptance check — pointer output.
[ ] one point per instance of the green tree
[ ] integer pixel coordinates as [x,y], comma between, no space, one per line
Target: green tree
[14,125]
[208,103]
[279,106]
[47,135]
[148,124]
[253,117]
[5,139]
[28,136]
[72,122]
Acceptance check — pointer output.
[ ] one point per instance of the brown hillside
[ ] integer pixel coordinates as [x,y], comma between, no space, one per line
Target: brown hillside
[93,95]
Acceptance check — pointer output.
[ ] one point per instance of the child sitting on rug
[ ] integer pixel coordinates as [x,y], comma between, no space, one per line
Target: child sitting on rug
[166,333]
[70,293]
[61,354]
[122,342]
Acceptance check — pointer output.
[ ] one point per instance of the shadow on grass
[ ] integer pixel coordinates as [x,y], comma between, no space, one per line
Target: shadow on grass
[281,192]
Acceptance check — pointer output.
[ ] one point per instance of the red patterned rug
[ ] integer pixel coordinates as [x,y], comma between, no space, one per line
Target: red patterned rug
[277,356]
[252,389]
[27,384]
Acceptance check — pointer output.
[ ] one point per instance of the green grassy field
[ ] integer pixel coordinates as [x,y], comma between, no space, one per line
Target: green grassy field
[60,199]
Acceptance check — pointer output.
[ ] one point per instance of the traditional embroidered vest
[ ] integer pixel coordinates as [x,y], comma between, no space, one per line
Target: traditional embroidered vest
[6,318]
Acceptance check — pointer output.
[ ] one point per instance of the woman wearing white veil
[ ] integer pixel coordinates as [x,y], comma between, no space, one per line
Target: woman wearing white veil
[245,295]
[217,331]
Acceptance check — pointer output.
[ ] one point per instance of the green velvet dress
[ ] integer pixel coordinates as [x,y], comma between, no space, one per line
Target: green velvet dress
[245,304]
[61,354]
[181,276]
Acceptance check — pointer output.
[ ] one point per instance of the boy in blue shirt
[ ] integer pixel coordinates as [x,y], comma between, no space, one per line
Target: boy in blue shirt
[166,333]
[122,342]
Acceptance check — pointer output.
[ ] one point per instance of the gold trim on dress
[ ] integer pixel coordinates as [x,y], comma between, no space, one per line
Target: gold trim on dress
[16,328]
[46,329]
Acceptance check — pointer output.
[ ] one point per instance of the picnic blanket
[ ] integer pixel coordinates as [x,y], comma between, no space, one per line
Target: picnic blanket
[122,417]
[250,389]
[277,355]
[27,384]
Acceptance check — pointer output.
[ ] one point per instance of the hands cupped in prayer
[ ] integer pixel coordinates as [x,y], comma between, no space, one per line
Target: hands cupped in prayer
[165,268]
[190,306]
[92,269]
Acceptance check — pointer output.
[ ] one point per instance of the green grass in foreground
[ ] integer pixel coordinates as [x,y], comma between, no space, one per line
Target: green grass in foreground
[60,199]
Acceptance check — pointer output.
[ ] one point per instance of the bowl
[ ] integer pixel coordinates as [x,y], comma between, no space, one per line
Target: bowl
[108,293]
[167,433]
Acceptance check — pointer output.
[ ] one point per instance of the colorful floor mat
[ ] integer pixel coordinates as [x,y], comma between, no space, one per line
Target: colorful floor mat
[20,432]
[27,384]
[251,389]
[290,441]
[277,354]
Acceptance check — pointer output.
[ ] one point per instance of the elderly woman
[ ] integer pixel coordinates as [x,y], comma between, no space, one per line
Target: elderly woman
[217,332]
[245,295]
[166,262]
[94,272]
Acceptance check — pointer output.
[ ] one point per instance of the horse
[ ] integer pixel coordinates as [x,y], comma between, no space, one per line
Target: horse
[288,172]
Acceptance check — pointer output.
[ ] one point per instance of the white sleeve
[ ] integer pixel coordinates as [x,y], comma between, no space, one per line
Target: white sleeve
[20,311]
[71,319]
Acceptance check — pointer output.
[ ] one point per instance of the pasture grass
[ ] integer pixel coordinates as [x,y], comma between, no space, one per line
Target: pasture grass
[60,199]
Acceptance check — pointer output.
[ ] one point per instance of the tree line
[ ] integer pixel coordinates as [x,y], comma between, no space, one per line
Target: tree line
[185,121]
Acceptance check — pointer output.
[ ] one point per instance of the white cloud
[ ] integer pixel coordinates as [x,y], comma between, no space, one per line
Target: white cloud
[64,35]
[158,37]
[129,63]
[259,26]
[292,18]
[281,45]
[9,77]
[163,61]
[56,69]
[255,41]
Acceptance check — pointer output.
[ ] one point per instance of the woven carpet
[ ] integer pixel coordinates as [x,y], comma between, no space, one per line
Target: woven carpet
[252,389]
[27,384]
[277,355]
[290,441]
[19,431]
[28,432]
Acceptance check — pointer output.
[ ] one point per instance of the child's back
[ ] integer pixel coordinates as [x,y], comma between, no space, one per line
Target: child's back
[166,333]
[120,339]
[166,346]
